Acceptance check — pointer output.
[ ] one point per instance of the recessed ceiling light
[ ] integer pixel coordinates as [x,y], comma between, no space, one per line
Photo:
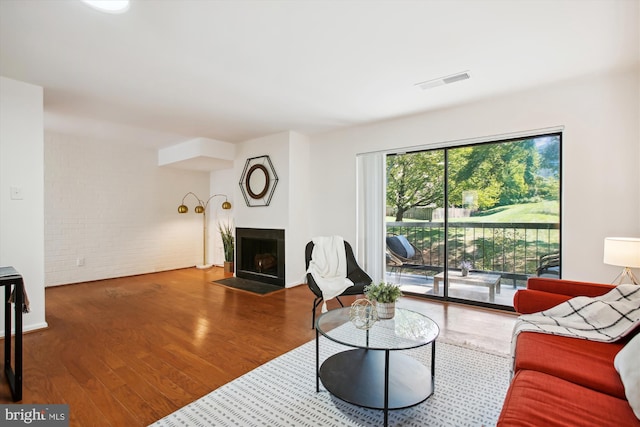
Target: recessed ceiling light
[109,6]
[464,75]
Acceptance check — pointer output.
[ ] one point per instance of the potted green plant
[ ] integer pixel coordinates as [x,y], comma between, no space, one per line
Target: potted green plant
[226,233]
[385,296]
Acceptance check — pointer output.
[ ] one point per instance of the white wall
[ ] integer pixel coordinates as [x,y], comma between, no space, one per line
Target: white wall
[276,215]
[288,152]
[601,154]
[299,231]
[21,165]
[110,204]
[221,182]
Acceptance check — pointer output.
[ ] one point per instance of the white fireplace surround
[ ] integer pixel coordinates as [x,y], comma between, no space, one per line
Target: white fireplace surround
[289,153]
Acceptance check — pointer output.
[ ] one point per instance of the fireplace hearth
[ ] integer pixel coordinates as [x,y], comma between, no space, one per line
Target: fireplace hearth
[260,255]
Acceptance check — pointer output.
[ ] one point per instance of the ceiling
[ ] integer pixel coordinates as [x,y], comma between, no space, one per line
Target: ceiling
[169,71]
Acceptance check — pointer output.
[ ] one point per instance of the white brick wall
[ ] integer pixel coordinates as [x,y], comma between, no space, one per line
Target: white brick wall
[113,206]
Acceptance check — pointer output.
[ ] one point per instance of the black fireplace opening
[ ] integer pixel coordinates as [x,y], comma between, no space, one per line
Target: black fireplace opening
[260,255]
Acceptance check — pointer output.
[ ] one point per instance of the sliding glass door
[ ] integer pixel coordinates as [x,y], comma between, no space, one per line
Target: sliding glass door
[415,240]
[472,223]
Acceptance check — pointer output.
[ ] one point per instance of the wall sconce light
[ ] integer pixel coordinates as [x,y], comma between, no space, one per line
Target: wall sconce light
[624,252]
[201,208]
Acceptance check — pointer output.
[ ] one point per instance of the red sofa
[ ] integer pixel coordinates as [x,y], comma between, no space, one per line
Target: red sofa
[562,381]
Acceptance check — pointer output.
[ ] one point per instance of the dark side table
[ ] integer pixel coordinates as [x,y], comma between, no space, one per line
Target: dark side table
[9,276]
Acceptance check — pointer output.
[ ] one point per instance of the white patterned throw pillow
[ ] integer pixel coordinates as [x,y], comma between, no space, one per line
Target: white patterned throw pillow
[627,363]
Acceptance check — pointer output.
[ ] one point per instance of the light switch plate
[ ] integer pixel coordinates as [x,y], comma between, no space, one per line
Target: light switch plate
[16,193]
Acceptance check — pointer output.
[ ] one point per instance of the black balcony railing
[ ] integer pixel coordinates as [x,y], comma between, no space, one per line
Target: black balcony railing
[510,249]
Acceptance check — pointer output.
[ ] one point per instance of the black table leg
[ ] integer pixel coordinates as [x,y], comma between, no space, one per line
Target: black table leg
[433,366]
[386,388]
[9,277]
[317,361]
[7,327]
[19,301]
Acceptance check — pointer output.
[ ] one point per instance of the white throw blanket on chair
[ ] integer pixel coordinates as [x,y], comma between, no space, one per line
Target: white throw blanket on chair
[328,266]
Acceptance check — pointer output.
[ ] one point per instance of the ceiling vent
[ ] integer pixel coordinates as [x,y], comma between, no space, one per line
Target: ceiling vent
[464,75]
[109,6]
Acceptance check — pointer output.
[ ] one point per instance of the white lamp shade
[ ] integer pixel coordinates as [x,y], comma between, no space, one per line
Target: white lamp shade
[622,251]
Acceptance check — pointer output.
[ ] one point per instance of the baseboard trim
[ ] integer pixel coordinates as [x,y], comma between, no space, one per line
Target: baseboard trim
[28,328]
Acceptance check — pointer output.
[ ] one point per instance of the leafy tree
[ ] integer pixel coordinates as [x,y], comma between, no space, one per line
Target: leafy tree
[521,163]
[473,169]
[414,180]
[499,174]
[548,178]
[550,156]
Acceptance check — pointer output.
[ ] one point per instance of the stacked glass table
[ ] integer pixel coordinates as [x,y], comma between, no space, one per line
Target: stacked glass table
[375,371]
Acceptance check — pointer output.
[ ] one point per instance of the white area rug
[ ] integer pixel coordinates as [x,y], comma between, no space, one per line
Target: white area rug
[470,387]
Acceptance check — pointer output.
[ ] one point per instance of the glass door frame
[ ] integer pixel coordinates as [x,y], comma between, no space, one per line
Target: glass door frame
[446,149]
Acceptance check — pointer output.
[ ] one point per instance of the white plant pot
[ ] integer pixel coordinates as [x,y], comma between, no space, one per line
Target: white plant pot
[386,310]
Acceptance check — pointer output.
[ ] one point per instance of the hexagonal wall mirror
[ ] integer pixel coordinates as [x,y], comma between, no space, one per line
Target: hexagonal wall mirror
[258,181]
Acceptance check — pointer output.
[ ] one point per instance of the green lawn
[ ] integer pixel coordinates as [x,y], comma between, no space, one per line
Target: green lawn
[547,212]
[529,212]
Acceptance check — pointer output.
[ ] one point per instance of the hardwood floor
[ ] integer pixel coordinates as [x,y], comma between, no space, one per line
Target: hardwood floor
[129,351]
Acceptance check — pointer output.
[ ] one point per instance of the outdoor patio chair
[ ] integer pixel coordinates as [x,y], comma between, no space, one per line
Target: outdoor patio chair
[403,251]
[357,275]
[393,262]
[549,265]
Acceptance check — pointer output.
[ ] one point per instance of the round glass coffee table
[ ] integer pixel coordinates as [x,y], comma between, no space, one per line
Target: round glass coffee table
[375,373]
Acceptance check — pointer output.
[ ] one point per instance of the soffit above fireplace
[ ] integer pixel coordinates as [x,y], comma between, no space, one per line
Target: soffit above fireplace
[199,154]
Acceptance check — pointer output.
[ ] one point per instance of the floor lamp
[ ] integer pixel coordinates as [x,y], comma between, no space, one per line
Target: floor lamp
[201,208]
[623,252]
